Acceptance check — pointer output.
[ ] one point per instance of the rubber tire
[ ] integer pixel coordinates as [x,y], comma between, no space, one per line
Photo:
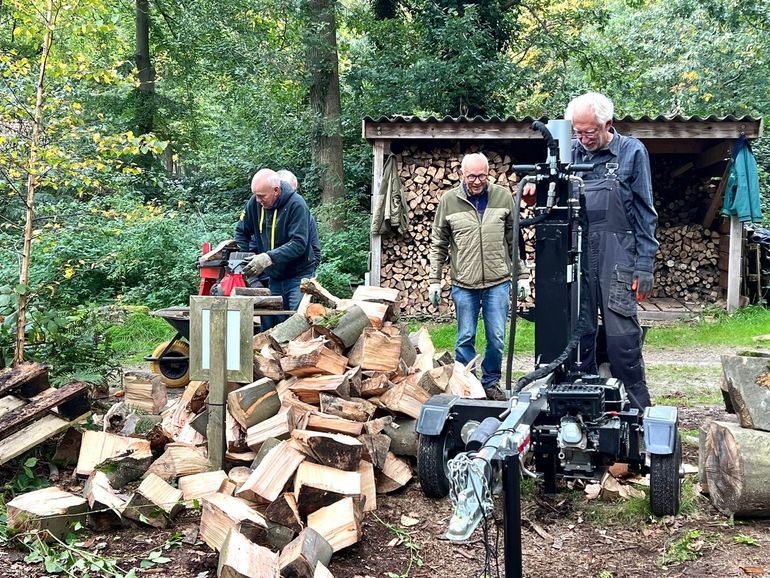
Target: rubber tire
[665,483]
[173,373]
[432,456]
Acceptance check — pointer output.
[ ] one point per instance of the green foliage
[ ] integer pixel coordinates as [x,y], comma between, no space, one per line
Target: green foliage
[137,335]
[714,328]
[744,539]
[688,547]
[25,479]
[344,251]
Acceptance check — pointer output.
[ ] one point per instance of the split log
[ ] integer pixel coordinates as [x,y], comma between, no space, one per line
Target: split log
[254,403]
[284,511]
[314,288]
[316,486]
[154,503]
[98,446]
[737,467]
[235,437]
[375,350]
[105,506]
[26,380]
[177,417]
[748,384]
[375,426]
[219,252]
[377,313]
[221,512]
[266,366]
[333,424]
[266,446]
[376,448]
[405,398]
[443,358]
[376,385]
[435,381]
[50,511]
[334,450]
[322,571]
[291,328]
[179,460]
[270,477]
[300,558]
[200,422]
[404,436]
[394,475]
[312,357]
[126,468]
[368,486]
[372,293]
[340,523]
[71,401]
[307,389]
[354,409]
[149,396]
[242,558]
[344,328]
[279,426]
[197,486]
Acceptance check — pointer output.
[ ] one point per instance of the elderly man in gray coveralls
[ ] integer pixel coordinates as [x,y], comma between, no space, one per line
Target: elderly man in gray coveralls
[621,240]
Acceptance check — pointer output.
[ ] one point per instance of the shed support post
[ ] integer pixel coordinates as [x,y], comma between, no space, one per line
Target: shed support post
[381,148]
[734,272]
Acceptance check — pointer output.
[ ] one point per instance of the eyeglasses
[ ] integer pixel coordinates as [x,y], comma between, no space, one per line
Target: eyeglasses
[472,178]
[585,133]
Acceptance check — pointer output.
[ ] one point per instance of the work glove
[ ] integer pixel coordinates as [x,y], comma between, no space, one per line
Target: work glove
[642,284]
[522,289]
[257,264]
[434,293]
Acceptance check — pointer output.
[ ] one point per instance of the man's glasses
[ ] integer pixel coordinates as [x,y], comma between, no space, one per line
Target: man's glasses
[472,178]
[585,133]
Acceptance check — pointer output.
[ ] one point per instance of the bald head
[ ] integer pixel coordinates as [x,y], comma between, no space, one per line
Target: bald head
[289,177]
[266,186]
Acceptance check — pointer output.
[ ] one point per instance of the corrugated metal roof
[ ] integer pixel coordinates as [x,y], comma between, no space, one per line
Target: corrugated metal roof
[497,119]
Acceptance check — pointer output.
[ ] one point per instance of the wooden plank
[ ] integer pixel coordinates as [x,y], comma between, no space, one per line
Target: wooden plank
[10,403]
[716,200]
[15,420]
[34,434]
[215,429]
[718,153]
[734,266]
[375,241]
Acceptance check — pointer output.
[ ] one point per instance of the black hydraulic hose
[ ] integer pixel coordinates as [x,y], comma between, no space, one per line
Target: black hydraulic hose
[514,283]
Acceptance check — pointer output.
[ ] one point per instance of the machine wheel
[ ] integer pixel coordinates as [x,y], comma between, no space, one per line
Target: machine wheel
[665,483]
[173,372]
[433,453]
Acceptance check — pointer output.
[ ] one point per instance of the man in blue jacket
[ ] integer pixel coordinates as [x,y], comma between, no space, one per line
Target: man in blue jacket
[278,218]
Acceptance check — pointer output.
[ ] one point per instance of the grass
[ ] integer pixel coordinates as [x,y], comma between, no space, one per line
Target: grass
[138,336]
[714,328]
[684,385]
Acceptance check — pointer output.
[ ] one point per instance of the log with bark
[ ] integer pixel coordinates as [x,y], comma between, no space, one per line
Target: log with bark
[747,379]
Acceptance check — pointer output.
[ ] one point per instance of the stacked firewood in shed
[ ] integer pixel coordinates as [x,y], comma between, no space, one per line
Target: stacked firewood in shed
[328,423]
[686,265]
[425,176]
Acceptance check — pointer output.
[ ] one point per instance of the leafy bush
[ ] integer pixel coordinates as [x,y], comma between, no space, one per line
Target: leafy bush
[345,251]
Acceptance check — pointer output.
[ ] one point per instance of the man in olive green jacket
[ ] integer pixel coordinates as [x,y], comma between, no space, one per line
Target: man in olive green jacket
[473,228]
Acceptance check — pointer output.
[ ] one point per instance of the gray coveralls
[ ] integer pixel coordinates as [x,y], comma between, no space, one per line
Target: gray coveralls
[608,265]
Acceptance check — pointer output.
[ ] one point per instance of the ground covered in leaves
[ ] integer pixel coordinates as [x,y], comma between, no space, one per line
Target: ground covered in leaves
[565,536]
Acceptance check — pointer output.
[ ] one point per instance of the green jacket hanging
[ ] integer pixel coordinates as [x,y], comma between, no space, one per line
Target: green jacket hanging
[389,211]
[742,190]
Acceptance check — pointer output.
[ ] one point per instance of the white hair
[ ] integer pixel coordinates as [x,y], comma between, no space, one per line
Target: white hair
[600,104]
[289,177]
[269,176]
[474,157]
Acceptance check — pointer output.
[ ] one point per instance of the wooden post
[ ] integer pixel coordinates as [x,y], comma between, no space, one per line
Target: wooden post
[734,265]
[381,148]
[215,431]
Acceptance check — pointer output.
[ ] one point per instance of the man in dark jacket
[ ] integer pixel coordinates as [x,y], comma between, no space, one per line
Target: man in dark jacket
[278,218]
[290,178]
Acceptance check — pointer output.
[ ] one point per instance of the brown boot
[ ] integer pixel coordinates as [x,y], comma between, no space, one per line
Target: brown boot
[495,394]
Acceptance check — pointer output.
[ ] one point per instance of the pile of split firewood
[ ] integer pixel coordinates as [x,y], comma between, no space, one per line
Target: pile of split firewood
[327,424]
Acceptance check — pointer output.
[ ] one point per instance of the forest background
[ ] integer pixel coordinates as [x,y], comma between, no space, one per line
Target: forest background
[129,130]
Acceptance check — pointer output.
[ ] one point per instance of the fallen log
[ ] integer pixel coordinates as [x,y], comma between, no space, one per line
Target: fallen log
[748,384]
[737,466]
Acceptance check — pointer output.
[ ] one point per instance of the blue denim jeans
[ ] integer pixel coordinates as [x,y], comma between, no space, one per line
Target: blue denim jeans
[289,290]
[493,302]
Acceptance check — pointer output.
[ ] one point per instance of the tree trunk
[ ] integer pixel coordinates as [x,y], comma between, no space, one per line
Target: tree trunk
[325,105]
[32,172]
[145,106]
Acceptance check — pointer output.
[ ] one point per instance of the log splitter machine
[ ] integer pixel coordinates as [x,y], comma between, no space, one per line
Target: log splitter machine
[575,425]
